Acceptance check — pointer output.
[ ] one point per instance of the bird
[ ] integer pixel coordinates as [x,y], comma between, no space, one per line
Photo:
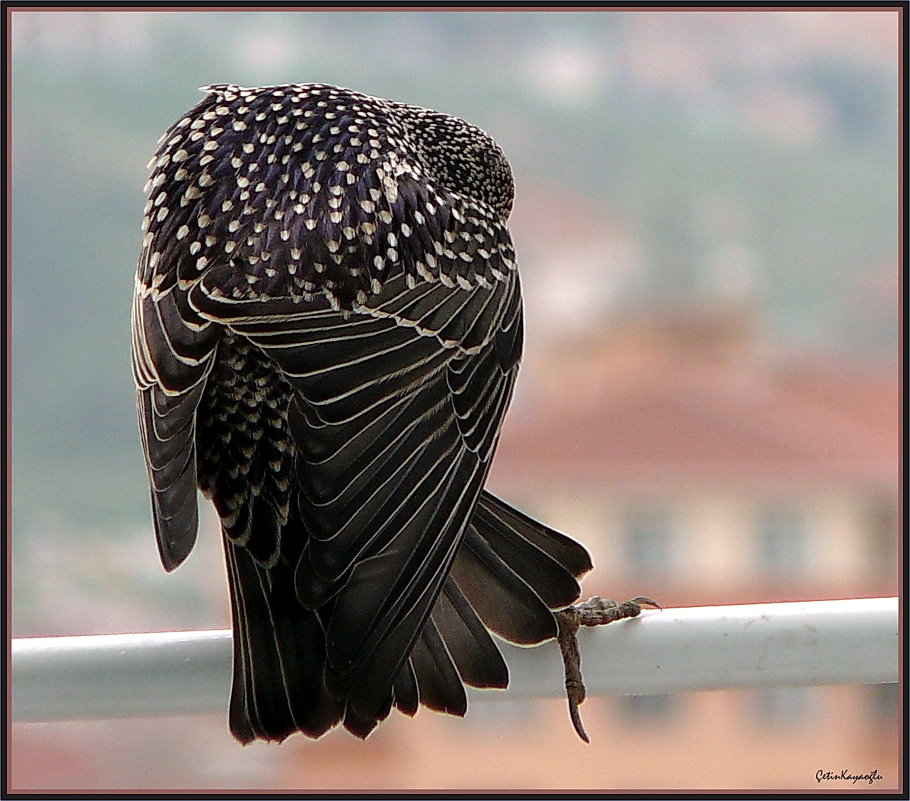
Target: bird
[326,329]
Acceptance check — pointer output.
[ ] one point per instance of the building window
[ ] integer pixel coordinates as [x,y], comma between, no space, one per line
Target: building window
[882,533]
[883,702]
[781,540]
[648,541]
[642,710]
[785,706]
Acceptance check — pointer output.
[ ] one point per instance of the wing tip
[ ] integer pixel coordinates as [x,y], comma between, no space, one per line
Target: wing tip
[174,547]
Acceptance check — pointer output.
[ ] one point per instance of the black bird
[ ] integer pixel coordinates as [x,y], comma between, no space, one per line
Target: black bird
[326,331]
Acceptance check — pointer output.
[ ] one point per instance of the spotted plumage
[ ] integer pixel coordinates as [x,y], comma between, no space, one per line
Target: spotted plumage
[326,333]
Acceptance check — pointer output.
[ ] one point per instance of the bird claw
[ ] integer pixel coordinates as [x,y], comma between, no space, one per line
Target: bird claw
[593,612]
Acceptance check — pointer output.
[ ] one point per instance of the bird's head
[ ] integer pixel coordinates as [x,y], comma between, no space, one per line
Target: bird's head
[461,156]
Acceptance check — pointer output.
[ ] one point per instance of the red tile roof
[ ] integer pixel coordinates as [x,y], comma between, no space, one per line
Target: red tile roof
[660,411]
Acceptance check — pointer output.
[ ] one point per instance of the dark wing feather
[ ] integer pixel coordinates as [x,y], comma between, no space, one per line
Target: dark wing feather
[172,356]
[390,460]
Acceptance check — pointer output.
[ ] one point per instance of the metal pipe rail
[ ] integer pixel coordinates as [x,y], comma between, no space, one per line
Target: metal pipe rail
[666,651]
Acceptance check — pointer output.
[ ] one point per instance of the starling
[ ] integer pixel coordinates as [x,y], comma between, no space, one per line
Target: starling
[326,330]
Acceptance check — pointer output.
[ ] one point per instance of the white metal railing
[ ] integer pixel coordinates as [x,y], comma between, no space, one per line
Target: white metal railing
[666,651]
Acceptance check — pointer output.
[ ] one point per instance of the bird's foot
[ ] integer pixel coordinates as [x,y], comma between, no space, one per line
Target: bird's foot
[593,612]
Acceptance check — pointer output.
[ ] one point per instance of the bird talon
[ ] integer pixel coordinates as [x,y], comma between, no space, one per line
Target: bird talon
[644,600]
[596,611]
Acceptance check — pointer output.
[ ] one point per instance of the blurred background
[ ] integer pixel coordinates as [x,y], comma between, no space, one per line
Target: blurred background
[707,226]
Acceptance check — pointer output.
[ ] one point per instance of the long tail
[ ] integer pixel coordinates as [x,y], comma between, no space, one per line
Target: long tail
[279,655]
[509,574]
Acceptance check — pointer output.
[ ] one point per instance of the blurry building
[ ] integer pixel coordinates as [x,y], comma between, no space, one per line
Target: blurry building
[695,462]
[698,469]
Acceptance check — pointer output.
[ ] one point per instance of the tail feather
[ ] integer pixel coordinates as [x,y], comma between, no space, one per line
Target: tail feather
[240,714]
[440,684]
[405,690]
[524,531]
[359,725]
[279,649]
[476,656]
[502,547]
[257,693]
[507,605]
[508,576]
